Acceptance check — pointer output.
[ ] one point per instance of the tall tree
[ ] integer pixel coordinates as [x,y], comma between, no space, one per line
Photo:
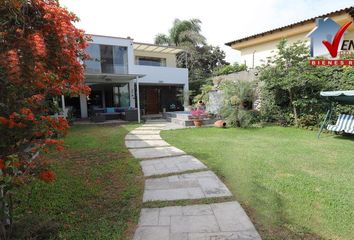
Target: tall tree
[200,58]
[183,33]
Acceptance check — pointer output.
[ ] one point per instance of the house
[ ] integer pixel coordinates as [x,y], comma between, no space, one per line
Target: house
[124,74]
[256,48]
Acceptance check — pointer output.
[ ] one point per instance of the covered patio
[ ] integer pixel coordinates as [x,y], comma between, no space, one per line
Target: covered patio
[107,91]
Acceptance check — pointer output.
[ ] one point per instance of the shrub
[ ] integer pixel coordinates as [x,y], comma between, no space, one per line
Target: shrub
[238,97]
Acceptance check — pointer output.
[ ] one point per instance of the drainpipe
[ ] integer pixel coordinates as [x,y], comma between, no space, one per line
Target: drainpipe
[253,59]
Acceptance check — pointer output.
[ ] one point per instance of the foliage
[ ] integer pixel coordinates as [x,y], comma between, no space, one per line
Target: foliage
[204,94]
[291,185]
[228,69]
[200,58]
[182,33]
[201,63]
[291,90]
[236,107]
[40,55]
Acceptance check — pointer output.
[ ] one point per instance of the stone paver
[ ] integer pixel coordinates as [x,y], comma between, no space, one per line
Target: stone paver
[186,186]
[218,221]
[155,124]
[171,165]
[157,152]
[150,128]
[144,132]
[142,137]
[202,222]
[146,144]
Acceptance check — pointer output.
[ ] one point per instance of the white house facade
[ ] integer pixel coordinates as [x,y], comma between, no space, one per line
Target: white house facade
[124,74]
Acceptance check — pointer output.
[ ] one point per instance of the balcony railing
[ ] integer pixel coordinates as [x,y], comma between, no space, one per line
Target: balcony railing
[106,69]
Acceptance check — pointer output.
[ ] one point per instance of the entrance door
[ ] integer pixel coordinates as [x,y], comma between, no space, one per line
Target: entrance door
[152,100]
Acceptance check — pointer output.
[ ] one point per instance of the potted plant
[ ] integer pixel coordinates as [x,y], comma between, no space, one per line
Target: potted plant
[197,117]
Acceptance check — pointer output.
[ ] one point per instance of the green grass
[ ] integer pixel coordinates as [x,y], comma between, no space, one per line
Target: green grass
[292,185]
[97,195]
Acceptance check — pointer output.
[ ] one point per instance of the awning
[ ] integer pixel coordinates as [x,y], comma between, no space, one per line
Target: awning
[343,97]
[110,78]
[156,48]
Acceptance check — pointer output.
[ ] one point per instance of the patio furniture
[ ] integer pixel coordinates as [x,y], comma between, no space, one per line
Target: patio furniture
[110,112]
[130,115]
[98,118]
[345,123]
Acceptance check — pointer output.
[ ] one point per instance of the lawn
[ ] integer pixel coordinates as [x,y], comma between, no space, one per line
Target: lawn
[292,185]
[97,195]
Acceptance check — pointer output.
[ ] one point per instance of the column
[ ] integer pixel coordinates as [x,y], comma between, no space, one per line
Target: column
[132,93]
[83,106]
[138,97]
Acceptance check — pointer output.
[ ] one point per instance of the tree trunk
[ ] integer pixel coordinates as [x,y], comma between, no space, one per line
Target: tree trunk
[294,108]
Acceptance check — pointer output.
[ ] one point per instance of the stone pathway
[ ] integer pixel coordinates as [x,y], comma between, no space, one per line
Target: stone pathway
[216,221]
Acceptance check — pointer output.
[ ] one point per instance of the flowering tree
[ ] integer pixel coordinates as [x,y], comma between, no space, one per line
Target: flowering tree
[41,55]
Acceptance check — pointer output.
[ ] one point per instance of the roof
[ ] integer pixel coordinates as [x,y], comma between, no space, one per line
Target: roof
[349,10]
[344,97]
[156,48]
[148,47]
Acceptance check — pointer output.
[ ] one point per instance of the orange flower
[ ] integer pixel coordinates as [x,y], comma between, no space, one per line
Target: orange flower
[16,164]
[47,176]
[38,45]
[3,120]
[2,164]
[60,148]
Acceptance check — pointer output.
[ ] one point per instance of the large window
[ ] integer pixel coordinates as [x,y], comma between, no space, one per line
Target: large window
[107,59]
[93,65]
[120,59]
[150,61]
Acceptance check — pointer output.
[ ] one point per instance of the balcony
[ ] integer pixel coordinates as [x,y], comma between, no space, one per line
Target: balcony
[161,75]
[102,68]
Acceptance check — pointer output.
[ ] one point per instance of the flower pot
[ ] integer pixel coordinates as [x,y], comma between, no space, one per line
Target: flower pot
[198,122]
[220,124]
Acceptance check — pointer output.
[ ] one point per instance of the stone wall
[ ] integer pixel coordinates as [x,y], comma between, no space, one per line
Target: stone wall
[216,97]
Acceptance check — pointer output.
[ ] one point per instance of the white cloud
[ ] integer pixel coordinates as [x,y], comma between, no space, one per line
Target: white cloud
[223,20]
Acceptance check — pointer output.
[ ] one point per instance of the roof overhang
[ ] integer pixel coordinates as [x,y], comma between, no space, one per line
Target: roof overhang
[91,79]
[146,47]
[343,97]
[302,27]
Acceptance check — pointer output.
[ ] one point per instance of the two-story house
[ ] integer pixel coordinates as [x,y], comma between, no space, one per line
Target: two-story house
[127,74]
[256,48]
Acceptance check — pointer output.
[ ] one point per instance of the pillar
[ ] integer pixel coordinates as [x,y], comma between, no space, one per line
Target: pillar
[83,106]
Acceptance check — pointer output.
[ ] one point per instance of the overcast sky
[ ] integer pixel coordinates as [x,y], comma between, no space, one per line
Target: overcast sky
[222,20]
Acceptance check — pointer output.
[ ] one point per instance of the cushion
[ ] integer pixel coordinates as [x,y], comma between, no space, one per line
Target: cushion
[110,110]
[119,110]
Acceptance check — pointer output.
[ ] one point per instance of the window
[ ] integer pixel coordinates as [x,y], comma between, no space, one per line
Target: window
[121,95]
[120,59]
[107,59]
[150,61]
[93,65]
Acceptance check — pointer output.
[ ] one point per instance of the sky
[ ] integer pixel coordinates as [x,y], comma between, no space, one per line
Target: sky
[222,20]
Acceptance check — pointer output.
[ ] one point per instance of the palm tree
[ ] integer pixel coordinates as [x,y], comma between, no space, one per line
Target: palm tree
[184,33]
